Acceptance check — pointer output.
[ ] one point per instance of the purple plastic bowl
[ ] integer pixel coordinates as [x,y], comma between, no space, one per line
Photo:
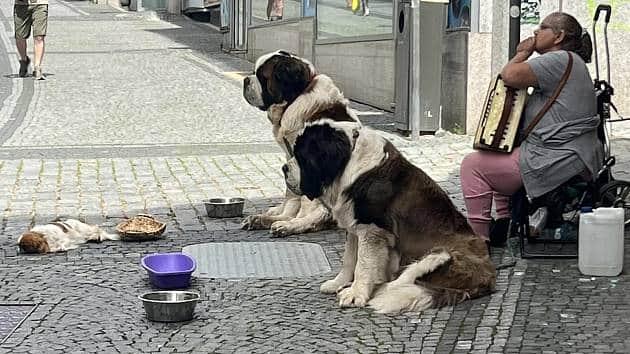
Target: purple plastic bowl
[169,270]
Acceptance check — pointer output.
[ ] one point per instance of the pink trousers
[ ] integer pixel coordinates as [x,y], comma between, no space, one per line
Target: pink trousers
[486,176]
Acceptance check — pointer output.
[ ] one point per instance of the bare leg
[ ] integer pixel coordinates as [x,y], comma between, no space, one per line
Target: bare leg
[39,50]
[21,48]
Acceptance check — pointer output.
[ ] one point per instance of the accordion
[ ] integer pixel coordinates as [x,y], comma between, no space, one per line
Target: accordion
[500,117]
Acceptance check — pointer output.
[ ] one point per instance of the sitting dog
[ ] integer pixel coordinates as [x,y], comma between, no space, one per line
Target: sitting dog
[61,235]
[289,89]
[395,216]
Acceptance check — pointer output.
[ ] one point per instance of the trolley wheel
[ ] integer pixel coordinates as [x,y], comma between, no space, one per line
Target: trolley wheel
[616,194]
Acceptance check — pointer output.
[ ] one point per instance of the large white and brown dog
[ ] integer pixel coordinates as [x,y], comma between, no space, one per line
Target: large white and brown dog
[396,218]
[61,235]
[292,93]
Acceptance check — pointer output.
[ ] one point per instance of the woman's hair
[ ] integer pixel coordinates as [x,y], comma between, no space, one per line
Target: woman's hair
[575,39]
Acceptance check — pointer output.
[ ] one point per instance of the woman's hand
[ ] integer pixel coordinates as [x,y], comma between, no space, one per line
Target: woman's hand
[517,72]
[527,46]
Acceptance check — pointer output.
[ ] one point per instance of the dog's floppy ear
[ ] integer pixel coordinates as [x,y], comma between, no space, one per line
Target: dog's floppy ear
[33,242]
[322,153]
[292,76]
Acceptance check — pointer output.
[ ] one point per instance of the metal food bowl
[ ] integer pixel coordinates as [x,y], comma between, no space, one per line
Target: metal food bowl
[169,306]
[224,207]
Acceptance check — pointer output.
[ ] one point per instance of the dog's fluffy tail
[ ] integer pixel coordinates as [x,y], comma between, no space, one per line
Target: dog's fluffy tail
[403,294]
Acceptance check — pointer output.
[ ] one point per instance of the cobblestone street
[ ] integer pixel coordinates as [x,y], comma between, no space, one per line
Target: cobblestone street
[145,115]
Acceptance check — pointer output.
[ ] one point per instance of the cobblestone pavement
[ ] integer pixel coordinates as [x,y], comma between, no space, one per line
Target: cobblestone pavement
[145,115]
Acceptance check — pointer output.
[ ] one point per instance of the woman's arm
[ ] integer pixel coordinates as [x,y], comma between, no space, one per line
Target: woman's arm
[517,73]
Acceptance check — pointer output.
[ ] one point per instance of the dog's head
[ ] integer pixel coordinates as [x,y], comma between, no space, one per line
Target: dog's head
[33,242]
[278,77]
[321,154]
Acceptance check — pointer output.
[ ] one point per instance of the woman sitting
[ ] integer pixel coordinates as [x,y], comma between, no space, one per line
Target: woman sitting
[562,144]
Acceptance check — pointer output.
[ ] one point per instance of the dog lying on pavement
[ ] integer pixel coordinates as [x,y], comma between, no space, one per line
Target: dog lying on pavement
[396,217]
[292,93]
[61,235]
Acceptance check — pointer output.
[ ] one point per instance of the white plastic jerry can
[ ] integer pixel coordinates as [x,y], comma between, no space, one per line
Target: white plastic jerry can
[600,241]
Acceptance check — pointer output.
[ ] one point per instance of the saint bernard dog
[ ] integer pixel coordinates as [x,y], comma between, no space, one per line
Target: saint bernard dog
[61,235]
[292,93]
[407,247]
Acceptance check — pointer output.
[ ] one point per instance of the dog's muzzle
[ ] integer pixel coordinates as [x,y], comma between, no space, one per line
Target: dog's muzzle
[252,91]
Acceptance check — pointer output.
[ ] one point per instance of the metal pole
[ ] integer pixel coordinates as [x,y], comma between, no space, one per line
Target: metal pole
[233,24]
[242,17]
[474,15]
[415,113]
[515,26]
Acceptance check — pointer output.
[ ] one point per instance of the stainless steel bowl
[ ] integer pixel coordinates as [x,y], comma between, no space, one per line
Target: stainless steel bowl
[224,207]
[169,306]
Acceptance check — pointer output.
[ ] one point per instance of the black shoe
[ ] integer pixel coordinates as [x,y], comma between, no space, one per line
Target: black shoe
[499,232]
[24,66]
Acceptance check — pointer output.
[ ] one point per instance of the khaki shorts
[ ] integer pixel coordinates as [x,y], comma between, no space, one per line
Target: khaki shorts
[27,16]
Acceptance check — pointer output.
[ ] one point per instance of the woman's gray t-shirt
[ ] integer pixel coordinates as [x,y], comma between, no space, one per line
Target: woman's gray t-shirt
[564,143]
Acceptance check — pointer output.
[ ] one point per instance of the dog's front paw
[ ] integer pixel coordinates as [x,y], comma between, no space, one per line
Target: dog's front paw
[282,229]
[273,211]
[253,222]
[333,286]
[354,296]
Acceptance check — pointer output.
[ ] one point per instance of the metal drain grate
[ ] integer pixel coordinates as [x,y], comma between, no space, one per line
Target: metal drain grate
[11,317]
[258,259]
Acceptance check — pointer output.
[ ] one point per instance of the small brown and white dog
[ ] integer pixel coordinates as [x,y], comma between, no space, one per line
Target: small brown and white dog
[292,93]
[61,235]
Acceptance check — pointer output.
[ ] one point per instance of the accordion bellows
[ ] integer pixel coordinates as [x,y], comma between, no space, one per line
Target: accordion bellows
[500,117]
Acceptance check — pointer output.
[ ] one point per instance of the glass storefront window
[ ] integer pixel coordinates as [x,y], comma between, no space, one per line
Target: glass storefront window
[353,18]
[265,11]
[154,4]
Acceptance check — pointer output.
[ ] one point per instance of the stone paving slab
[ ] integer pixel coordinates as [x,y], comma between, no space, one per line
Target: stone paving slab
[65,157]
[11,316]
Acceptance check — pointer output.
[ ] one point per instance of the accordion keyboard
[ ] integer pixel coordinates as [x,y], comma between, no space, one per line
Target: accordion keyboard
[500,118]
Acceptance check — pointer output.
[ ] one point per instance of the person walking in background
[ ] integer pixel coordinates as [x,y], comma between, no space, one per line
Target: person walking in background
[27,15]
[275,9]
[354,5]
[366,9]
